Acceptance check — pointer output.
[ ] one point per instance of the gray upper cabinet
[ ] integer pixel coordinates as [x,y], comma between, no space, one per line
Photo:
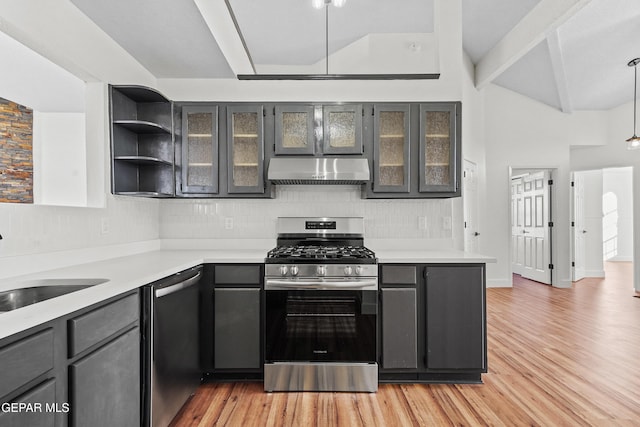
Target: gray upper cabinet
[318,129]
[391,147]
[415,151]
[342,129]
[199,154]
[294,128]
[439,148]
[142,148]
[245,149]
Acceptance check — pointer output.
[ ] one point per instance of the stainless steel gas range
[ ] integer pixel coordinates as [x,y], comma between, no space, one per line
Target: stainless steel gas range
[321,305]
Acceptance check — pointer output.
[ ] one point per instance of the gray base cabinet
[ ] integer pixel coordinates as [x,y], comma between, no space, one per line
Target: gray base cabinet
[432,323]
[237,328]
[105,385]
[455,327]
[42,398]
[232,321]
[83,368]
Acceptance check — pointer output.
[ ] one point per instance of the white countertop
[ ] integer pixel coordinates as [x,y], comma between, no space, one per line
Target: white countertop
[430,256]
[133,271]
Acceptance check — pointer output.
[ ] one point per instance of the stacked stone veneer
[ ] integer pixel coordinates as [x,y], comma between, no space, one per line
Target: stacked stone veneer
[16,153]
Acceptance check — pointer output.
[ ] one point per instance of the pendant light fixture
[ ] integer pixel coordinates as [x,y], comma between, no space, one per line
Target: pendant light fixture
[319,4]
[633,143]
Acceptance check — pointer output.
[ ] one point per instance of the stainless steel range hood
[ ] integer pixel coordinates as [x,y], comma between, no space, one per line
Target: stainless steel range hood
[318,170]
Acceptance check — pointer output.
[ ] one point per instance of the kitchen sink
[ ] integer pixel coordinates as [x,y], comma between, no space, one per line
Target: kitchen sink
[42,289]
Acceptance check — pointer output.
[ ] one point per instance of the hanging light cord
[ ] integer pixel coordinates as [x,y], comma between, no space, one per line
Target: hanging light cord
[635,94]
[326,37]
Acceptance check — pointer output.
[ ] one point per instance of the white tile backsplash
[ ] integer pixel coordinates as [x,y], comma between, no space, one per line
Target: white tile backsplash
[256,219]
[35,229]
[29,229]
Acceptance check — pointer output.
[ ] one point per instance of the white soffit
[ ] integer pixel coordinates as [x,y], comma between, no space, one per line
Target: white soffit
[168,37]
[37,83]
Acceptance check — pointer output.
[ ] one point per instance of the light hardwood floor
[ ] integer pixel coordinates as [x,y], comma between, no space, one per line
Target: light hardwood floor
[557,357]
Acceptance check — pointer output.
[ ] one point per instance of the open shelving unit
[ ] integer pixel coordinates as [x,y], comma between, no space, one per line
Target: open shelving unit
[142,146]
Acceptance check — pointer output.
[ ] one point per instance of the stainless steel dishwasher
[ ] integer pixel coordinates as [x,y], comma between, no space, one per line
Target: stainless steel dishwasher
[170,345]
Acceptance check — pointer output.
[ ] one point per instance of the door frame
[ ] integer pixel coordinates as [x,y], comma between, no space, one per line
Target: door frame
[515,171]
[572,213]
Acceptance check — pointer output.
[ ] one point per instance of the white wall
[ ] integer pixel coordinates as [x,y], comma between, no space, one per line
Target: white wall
[385,219]
[60,159]
[612,154]
[523,133]
[473,147]
[58,31]
[618,224]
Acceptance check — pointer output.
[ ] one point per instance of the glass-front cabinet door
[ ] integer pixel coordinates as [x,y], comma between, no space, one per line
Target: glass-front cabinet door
[342,129]
[295,129]
[391,145]
[245,149]
[438,148]
[200,149]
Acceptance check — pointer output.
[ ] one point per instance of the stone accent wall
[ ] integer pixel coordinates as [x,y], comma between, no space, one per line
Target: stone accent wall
[16,153]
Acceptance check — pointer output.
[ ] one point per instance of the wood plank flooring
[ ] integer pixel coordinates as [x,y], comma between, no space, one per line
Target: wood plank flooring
[557,357]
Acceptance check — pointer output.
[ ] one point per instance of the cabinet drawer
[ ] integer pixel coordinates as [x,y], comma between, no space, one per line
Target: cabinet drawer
[237,274]
[96,325]
[25,360]
[399,275]
[40,396]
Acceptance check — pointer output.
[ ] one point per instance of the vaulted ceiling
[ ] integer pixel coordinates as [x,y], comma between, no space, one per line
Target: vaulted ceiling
[569,54]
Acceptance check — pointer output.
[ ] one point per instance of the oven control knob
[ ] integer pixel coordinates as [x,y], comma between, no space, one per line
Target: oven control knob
[283,270]
[358,270]
[294,270]
[321,270]
[348,270]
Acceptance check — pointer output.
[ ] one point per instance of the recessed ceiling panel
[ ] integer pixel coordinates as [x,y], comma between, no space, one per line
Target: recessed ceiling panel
[292,32]
[168,37]
[485,22]
[533,76]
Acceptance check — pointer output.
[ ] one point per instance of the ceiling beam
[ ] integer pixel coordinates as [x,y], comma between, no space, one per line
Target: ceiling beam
[223,26]
[544,18]
[557,63]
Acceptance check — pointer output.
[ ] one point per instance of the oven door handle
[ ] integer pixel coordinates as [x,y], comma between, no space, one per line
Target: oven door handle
[306,284]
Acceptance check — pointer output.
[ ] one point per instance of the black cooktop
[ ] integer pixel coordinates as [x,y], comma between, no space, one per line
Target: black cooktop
[321,253]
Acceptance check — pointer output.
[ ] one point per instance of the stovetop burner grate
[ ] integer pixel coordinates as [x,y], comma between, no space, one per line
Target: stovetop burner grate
[292,253]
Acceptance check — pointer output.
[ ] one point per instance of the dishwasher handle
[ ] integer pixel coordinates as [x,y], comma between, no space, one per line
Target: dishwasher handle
[161,292]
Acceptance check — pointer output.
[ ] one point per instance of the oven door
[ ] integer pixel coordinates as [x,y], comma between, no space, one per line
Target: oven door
[324,324]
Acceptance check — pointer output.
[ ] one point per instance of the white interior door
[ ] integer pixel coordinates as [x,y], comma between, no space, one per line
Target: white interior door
[535,230]
[470,201]
[579,246]
[517,222]
[588,224]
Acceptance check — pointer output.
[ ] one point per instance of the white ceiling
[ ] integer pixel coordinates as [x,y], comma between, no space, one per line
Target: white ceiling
[580,65]
[290,32]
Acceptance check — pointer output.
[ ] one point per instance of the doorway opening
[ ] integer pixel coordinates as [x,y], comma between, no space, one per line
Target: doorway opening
[532,224]
[601,220]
